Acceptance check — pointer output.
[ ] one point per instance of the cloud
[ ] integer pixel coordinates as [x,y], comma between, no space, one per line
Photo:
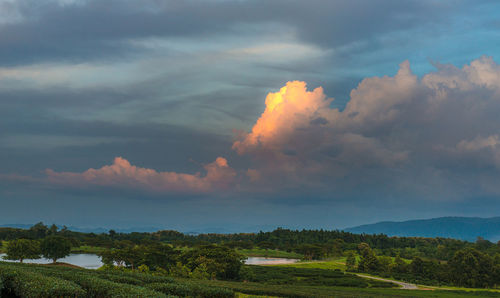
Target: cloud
[89,30]
[393,129]
[299,131]
[478,143]
[397,135]
[122,174]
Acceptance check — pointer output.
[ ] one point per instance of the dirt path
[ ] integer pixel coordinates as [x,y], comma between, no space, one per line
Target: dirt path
[404,285]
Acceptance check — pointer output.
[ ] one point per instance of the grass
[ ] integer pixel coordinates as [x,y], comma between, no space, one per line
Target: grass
[269,253]
[326,264]
[332,263]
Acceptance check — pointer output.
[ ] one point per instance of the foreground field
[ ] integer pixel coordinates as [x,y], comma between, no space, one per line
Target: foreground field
[23,280]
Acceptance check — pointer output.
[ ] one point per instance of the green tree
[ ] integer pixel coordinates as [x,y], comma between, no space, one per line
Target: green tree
[385,263]
[157,255]
[399,265]
[417,266]
[337,247]
[351,261]
[201,272]
[38,231]
[471,268]
[180,270]
[224,262]
[112,234]
[368,261]
[55,247]
[21,249]
[52,230]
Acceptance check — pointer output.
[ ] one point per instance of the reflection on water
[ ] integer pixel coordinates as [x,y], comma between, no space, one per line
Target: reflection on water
[89,261]
[269,261]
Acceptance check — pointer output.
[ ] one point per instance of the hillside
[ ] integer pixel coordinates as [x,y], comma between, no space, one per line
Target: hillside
[465,228]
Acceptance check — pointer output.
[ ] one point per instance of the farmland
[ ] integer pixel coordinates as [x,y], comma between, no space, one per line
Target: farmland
[26,280]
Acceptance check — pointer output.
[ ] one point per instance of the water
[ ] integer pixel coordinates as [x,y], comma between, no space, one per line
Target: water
[91,261]
[269,261]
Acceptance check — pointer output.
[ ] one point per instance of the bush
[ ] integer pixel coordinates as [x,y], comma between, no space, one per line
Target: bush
[96,285]
[192,290]
[31,284]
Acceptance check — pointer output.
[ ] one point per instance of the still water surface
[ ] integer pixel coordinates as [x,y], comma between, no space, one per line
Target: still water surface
[91,261]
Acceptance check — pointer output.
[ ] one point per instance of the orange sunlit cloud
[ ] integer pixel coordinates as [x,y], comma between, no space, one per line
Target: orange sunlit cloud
[122,174]
[290,108]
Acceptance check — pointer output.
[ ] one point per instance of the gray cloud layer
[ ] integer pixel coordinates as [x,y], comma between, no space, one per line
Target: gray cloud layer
[81,30]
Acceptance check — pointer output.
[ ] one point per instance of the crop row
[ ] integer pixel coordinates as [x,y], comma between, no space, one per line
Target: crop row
[43,281]
[25,283]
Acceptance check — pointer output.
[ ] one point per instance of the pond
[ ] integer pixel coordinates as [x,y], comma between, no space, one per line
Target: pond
[91,261]
[269,261]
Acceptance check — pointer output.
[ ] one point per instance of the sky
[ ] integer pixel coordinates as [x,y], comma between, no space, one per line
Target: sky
[245,115]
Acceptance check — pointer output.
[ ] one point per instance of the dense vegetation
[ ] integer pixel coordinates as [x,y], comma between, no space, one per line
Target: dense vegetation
[431,261]
[27,280]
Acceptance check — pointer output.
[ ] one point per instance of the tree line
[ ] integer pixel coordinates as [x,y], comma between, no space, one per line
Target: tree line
[424,260]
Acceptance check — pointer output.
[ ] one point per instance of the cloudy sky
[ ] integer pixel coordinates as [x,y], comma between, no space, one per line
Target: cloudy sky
[245,114]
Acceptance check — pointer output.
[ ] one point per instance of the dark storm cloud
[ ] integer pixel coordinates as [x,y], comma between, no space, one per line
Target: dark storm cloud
[86,30]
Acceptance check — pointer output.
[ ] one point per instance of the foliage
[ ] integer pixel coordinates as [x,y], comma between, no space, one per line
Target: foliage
[180,270]
[435,261]
[351,261]
[122,283]
[154,255]
[471,268]
[310,277]
[55,247]
[191,290]
[220,261]
[21,249]
[24,283]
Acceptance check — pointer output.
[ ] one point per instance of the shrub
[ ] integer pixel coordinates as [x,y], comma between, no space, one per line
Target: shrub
[192,290]
[31,284]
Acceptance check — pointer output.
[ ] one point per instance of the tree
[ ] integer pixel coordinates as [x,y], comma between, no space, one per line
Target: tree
[471,268]
[38,231]
[21,249]
[310,251]
[52,230]
[417,266]
[112,234]
[220,261]
[350,261]
[157,255]
[399,265]
[368,261]
[385,263]
[337,247]
[266,245]
[55,247]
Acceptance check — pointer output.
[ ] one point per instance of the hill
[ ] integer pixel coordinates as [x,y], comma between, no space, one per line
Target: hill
[464,228]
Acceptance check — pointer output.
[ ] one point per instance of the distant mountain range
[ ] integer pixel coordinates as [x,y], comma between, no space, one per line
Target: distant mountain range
[465,228]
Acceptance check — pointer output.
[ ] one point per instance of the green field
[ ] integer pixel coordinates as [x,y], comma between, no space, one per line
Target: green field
[26,280]
[328,264]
